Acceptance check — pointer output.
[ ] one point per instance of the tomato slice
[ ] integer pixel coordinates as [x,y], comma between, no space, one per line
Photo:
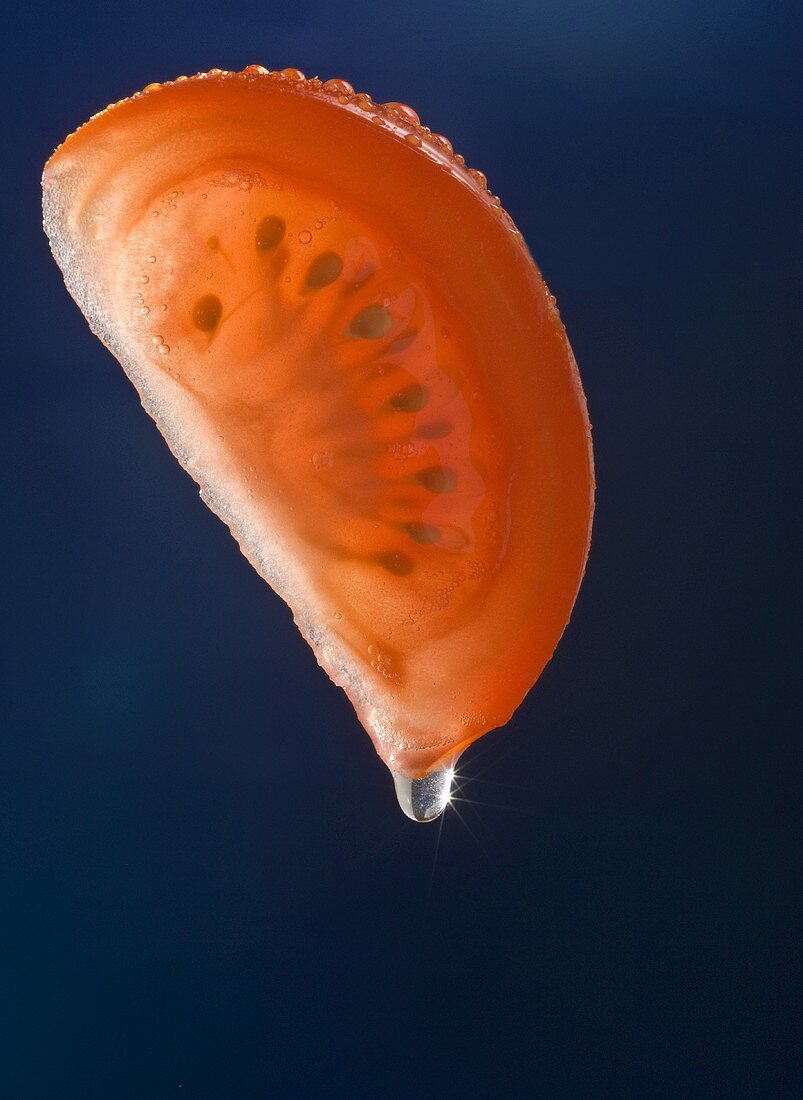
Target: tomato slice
[345,341]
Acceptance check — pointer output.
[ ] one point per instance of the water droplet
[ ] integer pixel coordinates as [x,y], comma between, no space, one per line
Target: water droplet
[338,87]
[478,177]
[255,70]
[406,112]
[381,660]
[293,75]
[414,140]
[425,798]
[444,142]
[322,459]
[304,237]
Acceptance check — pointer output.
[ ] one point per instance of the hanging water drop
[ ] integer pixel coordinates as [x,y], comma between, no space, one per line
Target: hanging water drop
[424,799]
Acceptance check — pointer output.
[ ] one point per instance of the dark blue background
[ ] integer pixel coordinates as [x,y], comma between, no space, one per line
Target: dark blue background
[207,888]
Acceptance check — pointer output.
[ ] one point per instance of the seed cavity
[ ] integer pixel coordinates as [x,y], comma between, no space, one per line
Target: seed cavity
[424,533]
[270,233]
[371,323]
[402,342]
[412,398]
[454,538]
[438,479]
[397,563]
[206,313]
[323,270]
[436,429]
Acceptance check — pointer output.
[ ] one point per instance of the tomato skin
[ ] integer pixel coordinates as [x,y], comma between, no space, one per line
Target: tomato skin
[459,669]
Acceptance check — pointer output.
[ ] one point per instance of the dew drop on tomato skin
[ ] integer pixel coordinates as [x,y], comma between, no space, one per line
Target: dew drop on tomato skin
[389,426]
[339,87]
[406,112]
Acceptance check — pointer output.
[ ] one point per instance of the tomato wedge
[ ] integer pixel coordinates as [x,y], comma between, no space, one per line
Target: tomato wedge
[345,342]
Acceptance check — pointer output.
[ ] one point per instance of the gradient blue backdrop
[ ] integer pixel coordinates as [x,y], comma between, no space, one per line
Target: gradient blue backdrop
[207,889]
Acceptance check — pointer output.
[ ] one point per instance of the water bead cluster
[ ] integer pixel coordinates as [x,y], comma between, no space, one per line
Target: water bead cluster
[398,119]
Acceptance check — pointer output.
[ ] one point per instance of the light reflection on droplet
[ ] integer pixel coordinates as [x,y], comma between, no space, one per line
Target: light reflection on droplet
[424,799]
